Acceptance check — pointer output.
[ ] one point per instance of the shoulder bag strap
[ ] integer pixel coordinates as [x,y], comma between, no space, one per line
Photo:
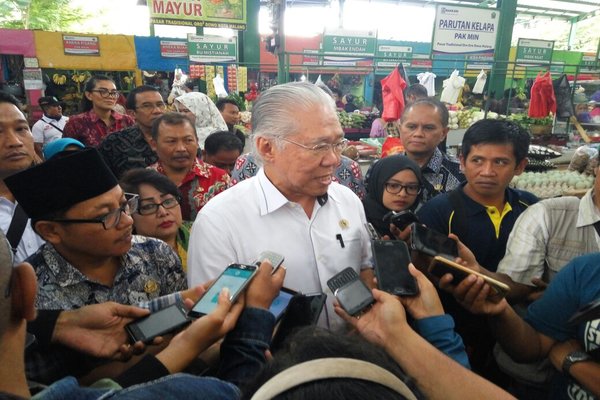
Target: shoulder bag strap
[16,228]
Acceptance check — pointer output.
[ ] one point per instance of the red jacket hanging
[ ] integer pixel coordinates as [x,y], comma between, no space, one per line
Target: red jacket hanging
[543,100]
[392,87]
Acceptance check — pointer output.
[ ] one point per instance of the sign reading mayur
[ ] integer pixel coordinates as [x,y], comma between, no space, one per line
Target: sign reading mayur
[465,30]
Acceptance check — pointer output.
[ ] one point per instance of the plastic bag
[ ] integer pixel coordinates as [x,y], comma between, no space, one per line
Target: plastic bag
[219,86]
[392,87]
[581,158]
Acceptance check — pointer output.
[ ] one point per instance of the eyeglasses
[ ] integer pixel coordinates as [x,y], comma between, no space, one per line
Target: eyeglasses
[105,94]
[111,219]
[395,188]
[322,148]
[152,208]
[148,107]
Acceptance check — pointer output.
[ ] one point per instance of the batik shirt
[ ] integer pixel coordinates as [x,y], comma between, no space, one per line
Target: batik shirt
[202,182]
[348,173]
[442,174]
[125,150]
[149,270]
[90,130]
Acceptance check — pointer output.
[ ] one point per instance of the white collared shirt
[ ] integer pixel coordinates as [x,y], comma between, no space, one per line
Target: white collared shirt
[30,241]
[254,216]
[548,235]
[44,131]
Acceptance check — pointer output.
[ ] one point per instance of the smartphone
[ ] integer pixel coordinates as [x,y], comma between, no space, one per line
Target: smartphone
[391,267]
[275,259]
[432,243]
[588,312]
[373,234]
[235,277]
[401,219]
[350,291]
[158,323]
[303,310]
[281,302]
[440,266]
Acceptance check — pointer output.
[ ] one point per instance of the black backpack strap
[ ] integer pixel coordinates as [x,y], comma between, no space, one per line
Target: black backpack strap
[16,228]
[458,222]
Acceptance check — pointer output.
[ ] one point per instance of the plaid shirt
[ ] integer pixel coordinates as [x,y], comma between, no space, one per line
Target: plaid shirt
[202,183]
[89,129]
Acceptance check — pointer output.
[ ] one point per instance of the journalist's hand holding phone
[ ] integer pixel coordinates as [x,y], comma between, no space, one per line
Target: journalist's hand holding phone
[265,286]
[427,303]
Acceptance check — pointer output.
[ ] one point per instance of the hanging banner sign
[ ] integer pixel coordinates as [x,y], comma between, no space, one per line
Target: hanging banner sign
[397,53]
[310,57]
[588,62]
[32,79]
[209,13]
[81,45]
[350,43]
[465,30]
[534,51]
[173,49]
[212,49]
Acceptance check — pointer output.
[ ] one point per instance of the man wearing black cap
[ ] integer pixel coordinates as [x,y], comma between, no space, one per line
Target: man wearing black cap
[50,126]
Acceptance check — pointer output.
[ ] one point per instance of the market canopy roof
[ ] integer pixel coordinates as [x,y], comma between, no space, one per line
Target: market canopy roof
[557,9]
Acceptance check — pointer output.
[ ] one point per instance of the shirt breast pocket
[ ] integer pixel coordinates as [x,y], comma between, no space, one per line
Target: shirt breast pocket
[340,251]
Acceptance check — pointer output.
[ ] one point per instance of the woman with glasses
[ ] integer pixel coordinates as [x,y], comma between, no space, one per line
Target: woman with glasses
[394,184]
[158,213]
[99,117]
[205,115]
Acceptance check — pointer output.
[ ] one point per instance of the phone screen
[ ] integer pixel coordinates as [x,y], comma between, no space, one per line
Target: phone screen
[281,303]
[433,243]
[234,278]
[391,267]
[303,310]
[159,322]
[354,297]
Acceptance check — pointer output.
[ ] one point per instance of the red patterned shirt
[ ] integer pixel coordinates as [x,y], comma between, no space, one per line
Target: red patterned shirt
[201,183]
[90,130]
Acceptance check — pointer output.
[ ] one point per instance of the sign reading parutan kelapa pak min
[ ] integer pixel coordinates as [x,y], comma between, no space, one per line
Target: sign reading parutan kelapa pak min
[465,30]
[534,51]
[209,13]
[212,49]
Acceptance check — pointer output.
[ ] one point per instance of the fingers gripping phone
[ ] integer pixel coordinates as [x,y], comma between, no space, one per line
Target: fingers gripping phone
[303,310]
[432,243]
[275,259]
[391,268]
[158,323]
[235,278]
[350,291]
[440,266]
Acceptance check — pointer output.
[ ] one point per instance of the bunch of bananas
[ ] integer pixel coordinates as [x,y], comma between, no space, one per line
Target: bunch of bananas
[127,79]
[59,79]
[79,78]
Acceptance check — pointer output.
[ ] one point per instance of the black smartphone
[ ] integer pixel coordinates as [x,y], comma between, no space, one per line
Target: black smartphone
[350,291]
[276,259]
[432,243]
[391,267]
[235,277]
[588,312]
[158,323]
[281,302]
[401,219]
[440,266]
[303,310]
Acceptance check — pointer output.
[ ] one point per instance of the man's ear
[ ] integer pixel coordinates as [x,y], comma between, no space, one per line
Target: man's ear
[48,230]
[23,289]
[153,144]
[203,154]
[131,113]
[444,133]
[521,166]
[266,148]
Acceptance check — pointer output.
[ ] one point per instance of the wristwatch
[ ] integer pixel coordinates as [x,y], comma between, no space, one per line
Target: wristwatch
[572,358]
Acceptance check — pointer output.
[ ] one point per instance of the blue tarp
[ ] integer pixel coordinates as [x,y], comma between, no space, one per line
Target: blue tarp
[147,51]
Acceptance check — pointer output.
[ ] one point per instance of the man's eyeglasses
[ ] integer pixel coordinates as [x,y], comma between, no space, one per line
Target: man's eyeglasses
[395,188]
[152,208]
[108,220]
[321,148]
[148,107]
[104,93]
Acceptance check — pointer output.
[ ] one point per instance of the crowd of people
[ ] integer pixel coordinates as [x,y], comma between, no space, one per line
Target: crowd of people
[108,218]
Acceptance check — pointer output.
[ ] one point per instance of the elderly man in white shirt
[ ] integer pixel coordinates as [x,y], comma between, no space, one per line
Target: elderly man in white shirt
[291,207]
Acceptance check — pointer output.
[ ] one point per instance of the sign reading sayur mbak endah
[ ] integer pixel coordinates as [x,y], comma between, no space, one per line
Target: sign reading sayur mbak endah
[465,30]
[209,13]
